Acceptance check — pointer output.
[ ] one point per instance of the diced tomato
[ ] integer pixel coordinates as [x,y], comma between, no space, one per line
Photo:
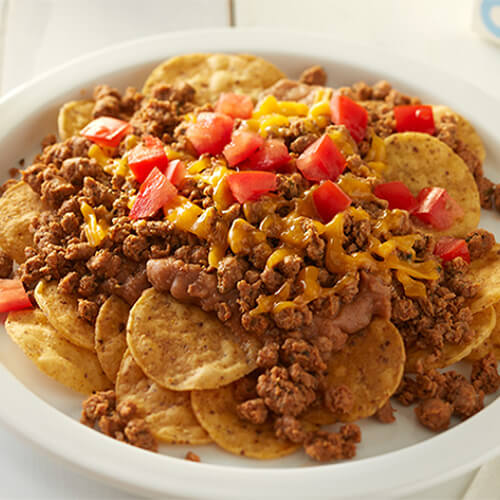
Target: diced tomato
[415,118]
[329,200]
[321,160]
[176,171]
[397,194]
[235,105]
[155,192]
[106,131]
[248,186]
[349,113]
[437,208]
[13,297]
[271,156]
[243,144]
[210,133]
[448,248]
[144,157]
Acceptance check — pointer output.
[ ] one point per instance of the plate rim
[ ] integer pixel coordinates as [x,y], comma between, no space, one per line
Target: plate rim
[156,474]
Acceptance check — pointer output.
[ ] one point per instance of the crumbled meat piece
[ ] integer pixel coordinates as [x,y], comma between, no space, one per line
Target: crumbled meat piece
[87,310]
[479,242]
[293,317]
[325,446]
[229,272]
[303,353]
[339,399]
[79,251]
[192,457]
[302,142]
[315,75]
[291,185]
[484,376]
[54,191]
[69,283]
[253,410]
[6,264]
[290,428]
[434,413]
[385,414]
[268,355]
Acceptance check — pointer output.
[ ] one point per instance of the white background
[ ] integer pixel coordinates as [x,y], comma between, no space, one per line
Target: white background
[36,35]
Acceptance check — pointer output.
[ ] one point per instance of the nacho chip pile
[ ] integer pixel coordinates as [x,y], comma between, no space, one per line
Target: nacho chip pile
[319,312]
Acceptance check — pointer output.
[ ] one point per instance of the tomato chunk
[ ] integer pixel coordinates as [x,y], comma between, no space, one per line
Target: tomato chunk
[106,131]
[155,191]
[415,118]
[321,160]
[13,297]
[235,105]
[210,133]
[346,112]
[449,248]
[243,144]
[397,194]
[248,186]
[437,208]
[144,157]
[176,171]
[329,200]
[272,155]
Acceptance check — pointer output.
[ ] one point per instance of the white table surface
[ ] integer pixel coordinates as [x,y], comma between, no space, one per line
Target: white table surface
[36,35]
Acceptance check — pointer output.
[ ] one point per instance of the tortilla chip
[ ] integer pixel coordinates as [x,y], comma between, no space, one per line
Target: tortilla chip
[465,131]
[216,411]
[72,117]
[483,323]
[319,415]
[72,366]
[62,312]
[371,365]
[18,206]
[420,160]
[110,335]
[211,74]
[184,348]
[491,344]
[486,272]
[292,90]
[168,414]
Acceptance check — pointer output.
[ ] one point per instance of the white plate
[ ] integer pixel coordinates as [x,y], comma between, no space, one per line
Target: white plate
[392,459]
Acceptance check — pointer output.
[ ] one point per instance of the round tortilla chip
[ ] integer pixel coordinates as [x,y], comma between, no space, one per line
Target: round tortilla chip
[183,348]
[18,206]
[168,414]
[216,411]
[62,312]
[211,74]
[371,365]
[465,131]
[483,323]
[491,344]
[72,366]
[486,272]
[72,117]
[110,334]
[420,160]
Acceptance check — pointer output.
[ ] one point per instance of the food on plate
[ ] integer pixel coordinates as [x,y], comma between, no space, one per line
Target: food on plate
[236,257]
[54,355]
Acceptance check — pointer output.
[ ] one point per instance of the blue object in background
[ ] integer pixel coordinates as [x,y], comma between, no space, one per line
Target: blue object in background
[487,16]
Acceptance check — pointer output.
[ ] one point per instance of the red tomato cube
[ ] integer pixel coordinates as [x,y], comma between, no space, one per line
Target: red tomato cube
[235,105]
[437,208]
[272,155]
[414,118]
[210,133]
[106,131]
[397,195]
[249,186]
[321,160]
[329,200]
[144,157]
[13,297]
[243,144]
[176,171]
[155,192]
[449,248]
[345,111]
